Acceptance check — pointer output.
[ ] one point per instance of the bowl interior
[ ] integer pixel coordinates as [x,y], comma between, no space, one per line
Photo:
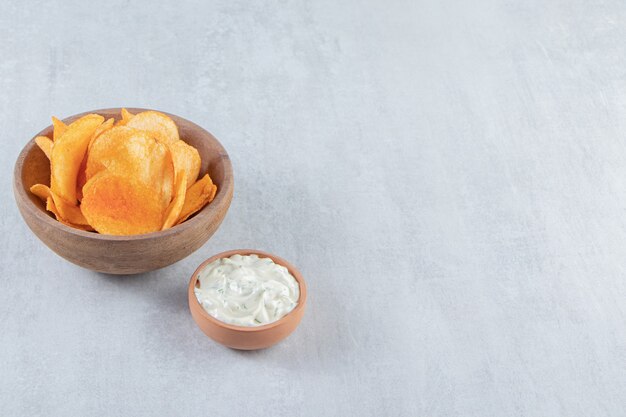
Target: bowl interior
[35,168]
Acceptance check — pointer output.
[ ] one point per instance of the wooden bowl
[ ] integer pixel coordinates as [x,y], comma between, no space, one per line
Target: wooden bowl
[240,337]
[125,254]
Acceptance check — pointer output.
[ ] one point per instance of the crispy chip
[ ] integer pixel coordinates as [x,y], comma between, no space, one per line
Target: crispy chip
[173,211]
[212,193]
[67,154]
[69,213]
[157,124]
[187,159]
[133,153]
[168,179]
[197,196]
[122,174]
[126,116]
[40,190]
[45,144]
[58,128]
[120,205]
[101,129]
[81,179]
[50,206]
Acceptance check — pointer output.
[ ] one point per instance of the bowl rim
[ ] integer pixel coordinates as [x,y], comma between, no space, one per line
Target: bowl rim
[278,260]
[207,211]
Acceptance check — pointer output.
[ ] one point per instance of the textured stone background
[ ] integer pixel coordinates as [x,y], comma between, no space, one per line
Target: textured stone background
[449,176]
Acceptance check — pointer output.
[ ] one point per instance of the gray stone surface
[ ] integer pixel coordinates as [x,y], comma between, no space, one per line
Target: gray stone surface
[449,176]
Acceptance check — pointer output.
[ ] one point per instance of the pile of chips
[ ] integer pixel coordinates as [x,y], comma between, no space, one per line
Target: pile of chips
[127,177]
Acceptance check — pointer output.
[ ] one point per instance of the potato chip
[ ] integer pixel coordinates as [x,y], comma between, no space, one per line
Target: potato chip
[197,196]
[67,154]
[81,178]
[156,124]
[187,159]
[121,205]
[119,177]
[168,179]
[102,128]
[212,194]
[68,212]
[50,206]
[133,153]
[40,190]
[125,150]
[173,211]
[126,116]
[45,144]
[58,128]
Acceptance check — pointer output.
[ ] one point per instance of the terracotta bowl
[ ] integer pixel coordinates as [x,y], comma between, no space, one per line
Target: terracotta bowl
[247,338]
[125,254]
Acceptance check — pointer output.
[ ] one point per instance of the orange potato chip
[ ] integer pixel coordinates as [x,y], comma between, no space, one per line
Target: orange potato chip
[133,153]
[122,173]
[50,206]
[101,129]
[45,144]
[187,159]
[126,116]
[40,190]
[167,189]
[120,205]
[81,179]
[67,212]
[157,124]
[58,128]
[173,211]
[67,154]
[197,196]
[212,193]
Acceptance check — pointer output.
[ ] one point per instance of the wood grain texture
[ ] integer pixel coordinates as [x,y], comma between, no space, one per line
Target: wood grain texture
[125,254]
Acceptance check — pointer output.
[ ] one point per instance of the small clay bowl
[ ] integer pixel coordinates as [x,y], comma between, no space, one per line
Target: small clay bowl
[125,254]
[240,337]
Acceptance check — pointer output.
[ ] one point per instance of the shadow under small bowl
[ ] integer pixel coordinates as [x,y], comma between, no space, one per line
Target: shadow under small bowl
[240,337]
[125,254]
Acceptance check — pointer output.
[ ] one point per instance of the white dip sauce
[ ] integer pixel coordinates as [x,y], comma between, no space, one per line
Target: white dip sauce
[246,290]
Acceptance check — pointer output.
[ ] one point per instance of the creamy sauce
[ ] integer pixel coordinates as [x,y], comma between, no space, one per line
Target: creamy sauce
[246,290]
